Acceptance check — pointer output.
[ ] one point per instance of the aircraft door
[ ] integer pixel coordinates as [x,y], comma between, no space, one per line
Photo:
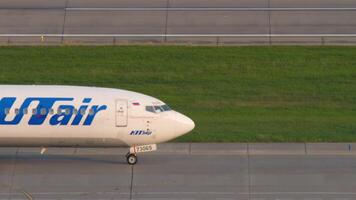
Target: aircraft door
[121,113]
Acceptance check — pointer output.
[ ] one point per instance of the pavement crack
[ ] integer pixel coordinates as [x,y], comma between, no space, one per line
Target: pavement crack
[64,19]
[13,172]
[249,171]
[269,23]
[166,22]
[131,184]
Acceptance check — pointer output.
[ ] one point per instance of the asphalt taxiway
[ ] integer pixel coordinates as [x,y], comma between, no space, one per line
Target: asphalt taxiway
[92,17]
[183,171]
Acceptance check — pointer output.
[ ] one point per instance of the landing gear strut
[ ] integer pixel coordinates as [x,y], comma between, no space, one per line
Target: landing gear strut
[131,158]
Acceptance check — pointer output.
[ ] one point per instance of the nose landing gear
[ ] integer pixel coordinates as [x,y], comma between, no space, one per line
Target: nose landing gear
[131,158]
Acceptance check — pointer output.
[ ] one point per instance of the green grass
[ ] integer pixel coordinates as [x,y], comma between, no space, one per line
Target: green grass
[234,94]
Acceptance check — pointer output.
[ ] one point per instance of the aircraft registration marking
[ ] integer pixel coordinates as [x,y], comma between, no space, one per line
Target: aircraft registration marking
[143,148]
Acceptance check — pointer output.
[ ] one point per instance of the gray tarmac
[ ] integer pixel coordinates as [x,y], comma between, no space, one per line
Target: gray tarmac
[183,171]
[80,17]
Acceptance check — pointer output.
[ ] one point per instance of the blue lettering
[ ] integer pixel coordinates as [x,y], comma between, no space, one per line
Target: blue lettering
[89,120]
[140,132]
[6,104]
[78,118]
[46,103]
[62,118]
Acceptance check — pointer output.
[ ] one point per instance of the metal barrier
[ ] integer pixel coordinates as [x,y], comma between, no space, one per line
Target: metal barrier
[212,39]
[213,9]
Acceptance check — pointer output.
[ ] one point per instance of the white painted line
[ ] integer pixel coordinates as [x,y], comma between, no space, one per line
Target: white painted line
[210,9]
[252,193]
[177,35]
[27,195]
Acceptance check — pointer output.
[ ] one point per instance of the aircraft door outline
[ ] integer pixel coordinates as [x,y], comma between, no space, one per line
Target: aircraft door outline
[121,113]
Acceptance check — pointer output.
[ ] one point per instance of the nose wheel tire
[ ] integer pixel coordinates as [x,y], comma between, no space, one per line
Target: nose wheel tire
[131,159]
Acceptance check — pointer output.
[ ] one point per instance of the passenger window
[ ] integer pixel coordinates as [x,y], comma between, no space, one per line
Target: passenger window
[51,111]
[91,112]
[82,111]
[150,109]
[25,111]
[43,111]
[17,111]
[59,111]
[34,111]
[75,111]
[7,111]
[67,111]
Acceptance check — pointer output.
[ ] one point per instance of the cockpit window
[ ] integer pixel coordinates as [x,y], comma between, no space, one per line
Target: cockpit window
[166,108]
[150,109]
[158,109]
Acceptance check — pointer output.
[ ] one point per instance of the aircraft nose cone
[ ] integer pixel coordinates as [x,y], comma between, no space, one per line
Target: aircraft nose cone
[190,125]
[185,124]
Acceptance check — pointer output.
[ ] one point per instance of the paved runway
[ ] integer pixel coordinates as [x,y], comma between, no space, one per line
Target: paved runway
[183,171]
[192,17]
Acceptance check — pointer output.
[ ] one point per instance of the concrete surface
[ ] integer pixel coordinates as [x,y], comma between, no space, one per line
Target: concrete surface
[277,149]
[54,17]
[183,171]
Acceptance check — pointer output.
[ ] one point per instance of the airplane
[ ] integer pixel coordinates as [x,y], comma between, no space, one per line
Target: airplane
[77,116]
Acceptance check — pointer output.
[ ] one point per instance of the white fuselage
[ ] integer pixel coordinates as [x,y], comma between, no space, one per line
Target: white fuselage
[85,117]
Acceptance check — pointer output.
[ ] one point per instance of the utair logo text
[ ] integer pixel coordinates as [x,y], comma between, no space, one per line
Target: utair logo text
[82,116]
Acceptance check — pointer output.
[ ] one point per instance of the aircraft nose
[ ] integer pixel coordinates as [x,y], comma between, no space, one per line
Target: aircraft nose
[185,124]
